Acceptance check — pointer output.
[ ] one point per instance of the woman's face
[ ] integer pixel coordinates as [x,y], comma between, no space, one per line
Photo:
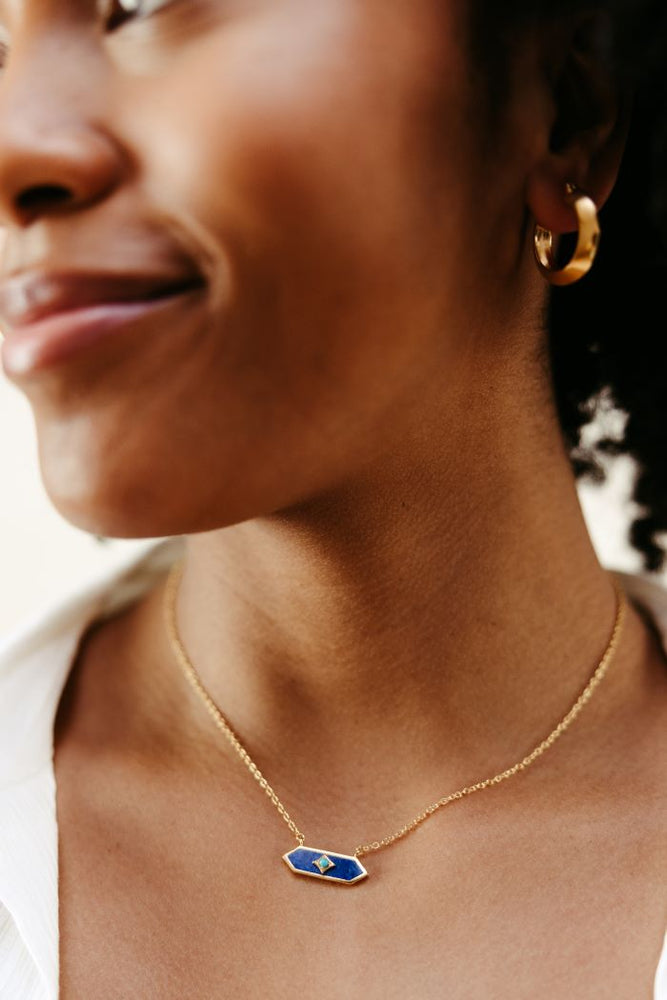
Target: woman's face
[307,170]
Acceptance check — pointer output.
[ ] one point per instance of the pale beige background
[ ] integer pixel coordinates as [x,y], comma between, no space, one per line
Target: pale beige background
[42,555]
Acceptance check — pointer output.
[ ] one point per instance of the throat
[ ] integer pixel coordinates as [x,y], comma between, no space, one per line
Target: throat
[339,678]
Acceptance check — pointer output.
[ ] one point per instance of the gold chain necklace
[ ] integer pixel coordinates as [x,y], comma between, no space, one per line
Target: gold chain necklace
[333,866]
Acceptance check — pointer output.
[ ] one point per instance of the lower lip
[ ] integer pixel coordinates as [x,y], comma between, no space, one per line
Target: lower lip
[48,341]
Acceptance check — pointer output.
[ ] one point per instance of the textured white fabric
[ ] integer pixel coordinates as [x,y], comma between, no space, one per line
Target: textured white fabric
[34,664]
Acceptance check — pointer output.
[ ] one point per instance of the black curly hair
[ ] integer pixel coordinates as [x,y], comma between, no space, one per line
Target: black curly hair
[607,336]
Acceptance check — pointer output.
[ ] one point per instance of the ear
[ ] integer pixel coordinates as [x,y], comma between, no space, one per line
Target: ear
[589,125]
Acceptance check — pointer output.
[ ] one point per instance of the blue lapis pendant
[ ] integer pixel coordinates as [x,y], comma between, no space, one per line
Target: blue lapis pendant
[328,866]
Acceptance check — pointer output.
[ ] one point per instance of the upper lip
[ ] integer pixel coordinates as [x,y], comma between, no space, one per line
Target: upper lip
[34,295]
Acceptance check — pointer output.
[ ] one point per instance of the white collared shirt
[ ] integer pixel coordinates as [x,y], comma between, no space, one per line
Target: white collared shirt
[35,661]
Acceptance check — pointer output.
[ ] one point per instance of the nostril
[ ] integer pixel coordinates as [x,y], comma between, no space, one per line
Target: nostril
[43,197]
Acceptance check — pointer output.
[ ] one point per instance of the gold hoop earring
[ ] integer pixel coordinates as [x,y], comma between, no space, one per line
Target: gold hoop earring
[587,242]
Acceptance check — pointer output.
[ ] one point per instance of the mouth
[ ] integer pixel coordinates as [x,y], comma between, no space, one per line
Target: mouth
[46,317]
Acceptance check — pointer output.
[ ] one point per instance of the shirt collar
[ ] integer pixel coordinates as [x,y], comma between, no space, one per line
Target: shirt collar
[35,661]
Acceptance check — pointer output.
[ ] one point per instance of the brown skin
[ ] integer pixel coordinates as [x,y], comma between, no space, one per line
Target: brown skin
[389,585]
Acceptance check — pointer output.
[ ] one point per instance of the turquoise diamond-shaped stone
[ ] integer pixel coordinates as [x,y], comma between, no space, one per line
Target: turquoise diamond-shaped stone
[330,866]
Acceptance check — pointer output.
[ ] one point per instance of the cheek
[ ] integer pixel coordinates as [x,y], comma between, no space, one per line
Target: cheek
[318,152]
[321,161]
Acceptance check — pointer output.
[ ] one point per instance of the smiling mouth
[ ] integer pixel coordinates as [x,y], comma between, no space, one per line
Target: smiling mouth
[47,317]
[33,296]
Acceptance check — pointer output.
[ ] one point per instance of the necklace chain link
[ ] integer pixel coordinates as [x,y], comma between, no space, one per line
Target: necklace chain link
[376,845]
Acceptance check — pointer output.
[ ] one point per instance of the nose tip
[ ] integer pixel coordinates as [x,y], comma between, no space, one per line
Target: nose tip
[58,150]
[55,173]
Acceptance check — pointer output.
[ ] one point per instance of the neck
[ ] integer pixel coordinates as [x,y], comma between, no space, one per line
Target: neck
[424,621]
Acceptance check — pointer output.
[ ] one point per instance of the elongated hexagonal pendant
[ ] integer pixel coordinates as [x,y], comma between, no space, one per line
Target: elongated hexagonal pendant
[327,865]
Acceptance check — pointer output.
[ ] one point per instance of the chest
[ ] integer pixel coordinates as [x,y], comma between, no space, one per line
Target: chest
[174,900]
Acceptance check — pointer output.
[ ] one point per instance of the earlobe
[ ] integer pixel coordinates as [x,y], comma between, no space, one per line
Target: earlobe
[546,192]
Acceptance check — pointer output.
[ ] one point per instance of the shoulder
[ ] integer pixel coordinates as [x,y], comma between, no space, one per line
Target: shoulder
[35,659]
